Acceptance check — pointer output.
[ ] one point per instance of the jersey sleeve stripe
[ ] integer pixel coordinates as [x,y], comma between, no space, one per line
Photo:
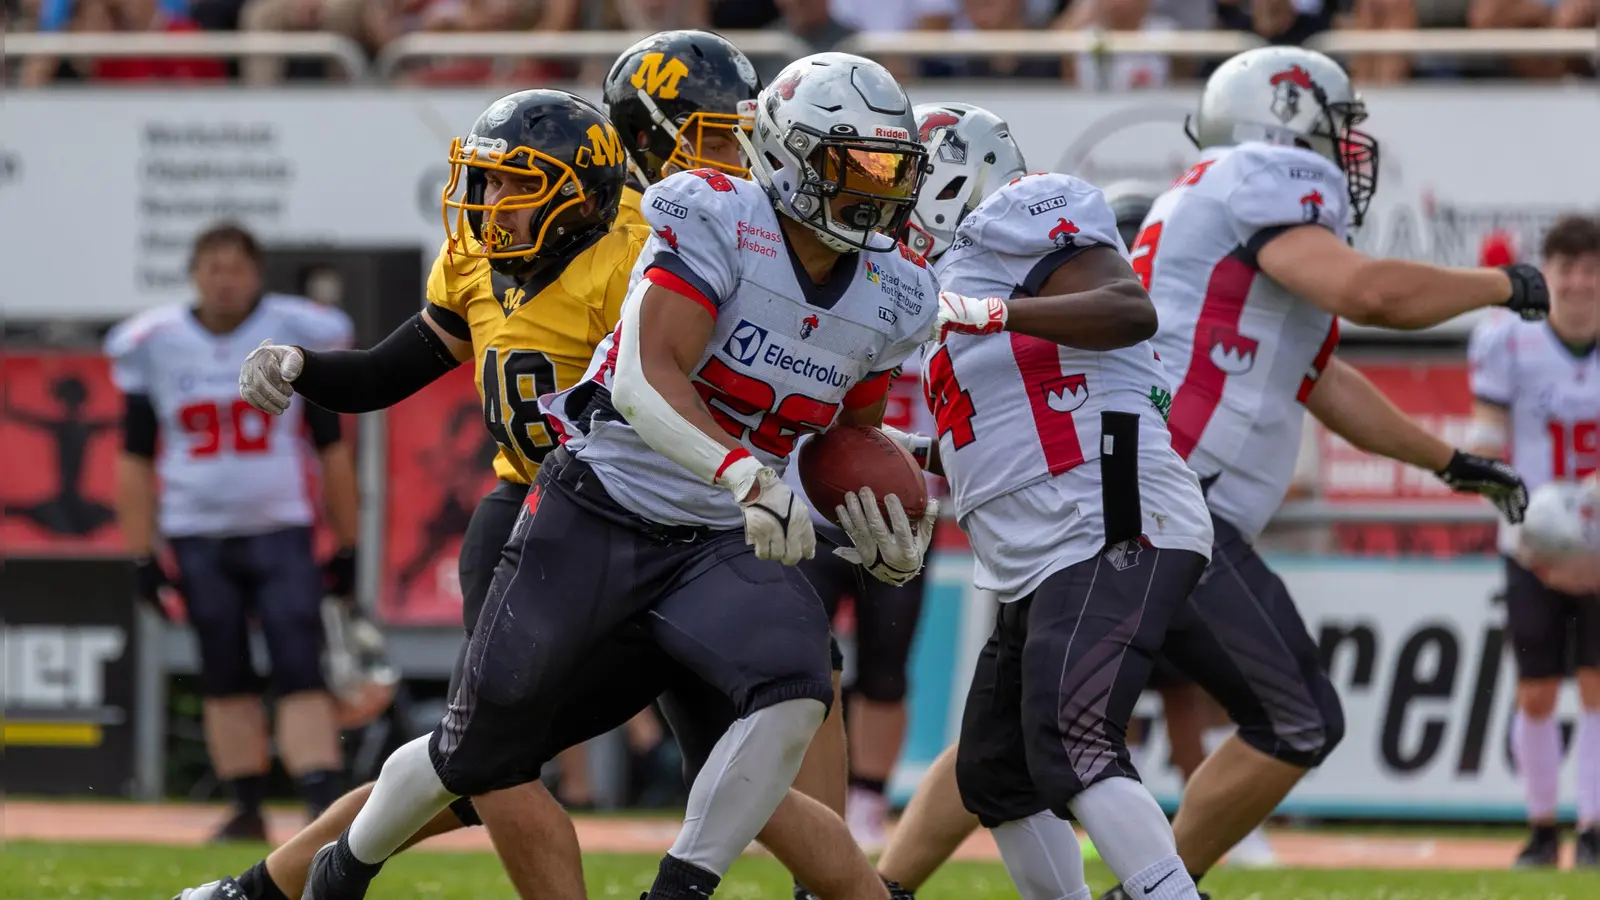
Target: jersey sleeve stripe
[1200,394]
[670,272]
[868,392]
[732,457]
[1047,266]
[1262,238]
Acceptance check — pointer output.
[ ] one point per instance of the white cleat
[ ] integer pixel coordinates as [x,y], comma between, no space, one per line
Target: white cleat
[226,889]
[1253,852]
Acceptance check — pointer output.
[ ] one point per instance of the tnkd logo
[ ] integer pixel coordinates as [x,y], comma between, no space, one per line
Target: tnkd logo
[744,345]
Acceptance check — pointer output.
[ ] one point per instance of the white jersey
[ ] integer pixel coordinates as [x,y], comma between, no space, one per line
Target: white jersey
[226,468]
[784,356]
[1023,422]
[1551,395]
[1244,351]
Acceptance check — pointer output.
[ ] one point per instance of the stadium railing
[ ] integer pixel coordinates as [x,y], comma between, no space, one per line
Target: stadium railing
[1455,43]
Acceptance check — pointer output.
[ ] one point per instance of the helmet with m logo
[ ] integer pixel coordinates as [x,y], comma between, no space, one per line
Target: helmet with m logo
[549,157]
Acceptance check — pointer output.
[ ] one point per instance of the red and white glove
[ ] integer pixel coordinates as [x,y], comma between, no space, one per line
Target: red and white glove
[969,315]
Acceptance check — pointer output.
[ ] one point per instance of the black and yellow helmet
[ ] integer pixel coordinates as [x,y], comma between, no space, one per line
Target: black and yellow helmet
[667,92]
[564,147]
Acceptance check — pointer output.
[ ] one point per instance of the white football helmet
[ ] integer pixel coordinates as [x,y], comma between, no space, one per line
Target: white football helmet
[1293,96]
[970,155]
[1130,201]
[832,125]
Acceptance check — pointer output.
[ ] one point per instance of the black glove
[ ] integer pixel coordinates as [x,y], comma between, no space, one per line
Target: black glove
[1530,295]
[148,580]
[1490,478]
[339,573]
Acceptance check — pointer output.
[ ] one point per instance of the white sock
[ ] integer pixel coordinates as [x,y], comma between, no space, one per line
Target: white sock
[1165,879]
[407,794]
[1589,769]
[1042,856]
[1536,747]
[746,776]
[1127,827]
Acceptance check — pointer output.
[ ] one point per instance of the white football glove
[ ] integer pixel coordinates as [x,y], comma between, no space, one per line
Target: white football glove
[890,550]
[265,379]
[776,522]
[968,315]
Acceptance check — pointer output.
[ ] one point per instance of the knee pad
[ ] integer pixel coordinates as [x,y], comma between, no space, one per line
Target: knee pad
[1305,743]
[301,671]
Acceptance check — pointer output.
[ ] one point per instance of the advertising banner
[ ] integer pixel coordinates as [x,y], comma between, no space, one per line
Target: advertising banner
[70,658]
[1416,649]
[60,432]
[366,167]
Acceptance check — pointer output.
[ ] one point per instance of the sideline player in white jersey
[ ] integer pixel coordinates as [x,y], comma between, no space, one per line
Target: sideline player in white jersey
[225,487]
[1537,390]
[1050,407]
[1247,261]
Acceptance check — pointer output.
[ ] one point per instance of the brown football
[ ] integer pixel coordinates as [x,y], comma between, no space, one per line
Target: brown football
[847,458]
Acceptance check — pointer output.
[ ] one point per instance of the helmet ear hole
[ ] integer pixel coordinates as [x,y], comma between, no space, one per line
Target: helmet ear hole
[950,190]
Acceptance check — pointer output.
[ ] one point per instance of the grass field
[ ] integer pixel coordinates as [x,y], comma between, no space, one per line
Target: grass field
[43,871]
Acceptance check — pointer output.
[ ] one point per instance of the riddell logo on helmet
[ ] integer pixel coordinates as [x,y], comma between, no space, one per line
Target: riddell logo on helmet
[899,134]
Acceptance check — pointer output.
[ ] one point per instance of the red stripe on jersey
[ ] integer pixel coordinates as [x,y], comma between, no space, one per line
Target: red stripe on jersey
[1324,353]
[1039,361]
[675,284]
[868,392]
[1200,394]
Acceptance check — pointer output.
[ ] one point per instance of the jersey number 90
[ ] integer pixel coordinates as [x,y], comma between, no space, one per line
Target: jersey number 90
[514,381]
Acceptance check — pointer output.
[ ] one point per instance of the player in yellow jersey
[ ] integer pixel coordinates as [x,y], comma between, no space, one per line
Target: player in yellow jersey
[528,280]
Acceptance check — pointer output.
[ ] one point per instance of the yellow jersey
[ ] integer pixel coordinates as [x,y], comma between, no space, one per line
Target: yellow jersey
[630,212]
[536,338]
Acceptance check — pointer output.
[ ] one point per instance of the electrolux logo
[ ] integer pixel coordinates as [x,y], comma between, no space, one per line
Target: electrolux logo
[745,344]
[751,345]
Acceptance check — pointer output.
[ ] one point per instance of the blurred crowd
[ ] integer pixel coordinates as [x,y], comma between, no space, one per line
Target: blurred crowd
[820,24]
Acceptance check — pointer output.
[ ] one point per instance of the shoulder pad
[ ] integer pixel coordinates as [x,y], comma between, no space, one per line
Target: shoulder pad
[1038,214]
[1278,186]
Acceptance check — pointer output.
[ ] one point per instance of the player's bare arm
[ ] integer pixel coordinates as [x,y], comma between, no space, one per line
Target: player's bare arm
[671,335]
[1352,407]
[1092,302]
[1490,422]
[1313,263]
[661,340]
[418,353]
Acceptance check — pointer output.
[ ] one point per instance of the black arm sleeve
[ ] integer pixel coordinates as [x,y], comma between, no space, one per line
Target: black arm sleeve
[323,425]
[358,381]
[139,426]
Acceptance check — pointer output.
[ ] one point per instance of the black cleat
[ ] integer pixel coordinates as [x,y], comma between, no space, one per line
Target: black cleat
[1588,855]
[1543,849]
[896,892]
[242,827]
[226,889]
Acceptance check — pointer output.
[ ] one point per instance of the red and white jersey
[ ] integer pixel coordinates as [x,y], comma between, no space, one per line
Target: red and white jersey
[786,353]
[226,468]
[1551,395]
[1020,419]
[1244,351]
